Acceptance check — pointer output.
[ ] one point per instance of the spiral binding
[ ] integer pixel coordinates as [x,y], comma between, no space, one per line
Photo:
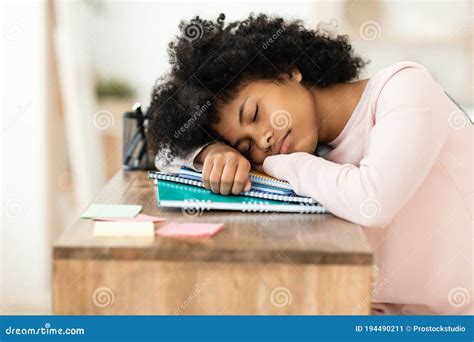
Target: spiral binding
[265,180]
[255,194]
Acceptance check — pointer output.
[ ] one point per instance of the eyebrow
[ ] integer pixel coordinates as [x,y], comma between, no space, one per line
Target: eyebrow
[241,110]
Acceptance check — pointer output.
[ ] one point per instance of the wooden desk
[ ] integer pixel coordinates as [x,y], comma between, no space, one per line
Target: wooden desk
[273,263]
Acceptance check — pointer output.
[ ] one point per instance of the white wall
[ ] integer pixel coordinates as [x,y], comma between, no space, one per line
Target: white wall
[130,39]
[25,277]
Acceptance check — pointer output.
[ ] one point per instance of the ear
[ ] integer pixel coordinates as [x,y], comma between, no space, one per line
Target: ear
[295,75]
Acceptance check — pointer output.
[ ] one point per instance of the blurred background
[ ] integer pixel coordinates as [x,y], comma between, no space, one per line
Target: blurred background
[71,68]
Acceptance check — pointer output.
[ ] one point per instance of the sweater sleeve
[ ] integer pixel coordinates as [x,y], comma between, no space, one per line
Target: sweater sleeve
[411,126]
[175,164]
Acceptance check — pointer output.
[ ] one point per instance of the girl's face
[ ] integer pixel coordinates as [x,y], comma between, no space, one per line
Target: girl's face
[268,118]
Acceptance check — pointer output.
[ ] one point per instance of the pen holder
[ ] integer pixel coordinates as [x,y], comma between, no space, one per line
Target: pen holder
[135,152]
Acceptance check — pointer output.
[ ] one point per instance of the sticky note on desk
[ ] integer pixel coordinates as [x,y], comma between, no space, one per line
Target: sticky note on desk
[124,229]
[190,229]
[138,218]
[111,211]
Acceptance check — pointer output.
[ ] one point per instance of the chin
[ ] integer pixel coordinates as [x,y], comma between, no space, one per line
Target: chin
[307,149]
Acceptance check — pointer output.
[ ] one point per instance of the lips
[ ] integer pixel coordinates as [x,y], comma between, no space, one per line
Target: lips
[283,143]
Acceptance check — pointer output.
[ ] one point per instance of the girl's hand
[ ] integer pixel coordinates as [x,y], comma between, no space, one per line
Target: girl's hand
[225,170]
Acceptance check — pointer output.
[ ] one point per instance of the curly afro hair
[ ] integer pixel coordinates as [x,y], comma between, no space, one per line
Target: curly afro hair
[211,61]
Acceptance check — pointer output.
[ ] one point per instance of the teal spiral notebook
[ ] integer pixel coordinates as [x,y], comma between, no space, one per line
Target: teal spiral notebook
[261,187]
[175,194]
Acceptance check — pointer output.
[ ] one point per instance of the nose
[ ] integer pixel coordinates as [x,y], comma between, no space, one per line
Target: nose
[266,140]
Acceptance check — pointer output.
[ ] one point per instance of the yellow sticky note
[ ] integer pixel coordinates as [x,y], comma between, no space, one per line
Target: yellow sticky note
[124,229]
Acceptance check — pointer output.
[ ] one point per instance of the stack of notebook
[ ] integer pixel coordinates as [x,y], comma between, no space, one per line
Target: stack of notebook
[186,190]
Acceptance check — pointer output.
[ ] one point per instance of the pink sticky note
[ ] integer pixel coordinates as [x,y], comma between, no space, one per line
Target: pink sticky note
[138,218]
[190,229]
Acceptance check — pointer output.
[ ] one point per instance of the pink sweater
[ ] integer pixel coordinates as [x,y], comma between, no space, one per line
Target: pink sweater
[402,169]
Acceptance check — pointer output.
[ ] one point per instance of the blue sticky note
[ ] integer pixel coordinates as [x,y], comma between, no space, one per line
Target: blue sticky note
[111,211]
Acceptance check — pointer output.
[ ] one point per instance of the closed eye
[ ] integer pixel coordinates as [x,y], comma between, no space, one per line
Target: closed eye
[256,114]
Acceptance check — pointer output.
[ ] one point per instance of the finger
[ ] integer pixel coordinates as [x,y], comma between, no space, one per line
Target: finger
[228,176]
[216,174]
[241,179]
[206,173]
[248,185]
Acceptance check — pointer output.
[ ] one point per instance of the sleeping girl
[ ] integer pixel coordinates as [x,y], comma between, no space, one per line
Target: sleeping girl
[392,153]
